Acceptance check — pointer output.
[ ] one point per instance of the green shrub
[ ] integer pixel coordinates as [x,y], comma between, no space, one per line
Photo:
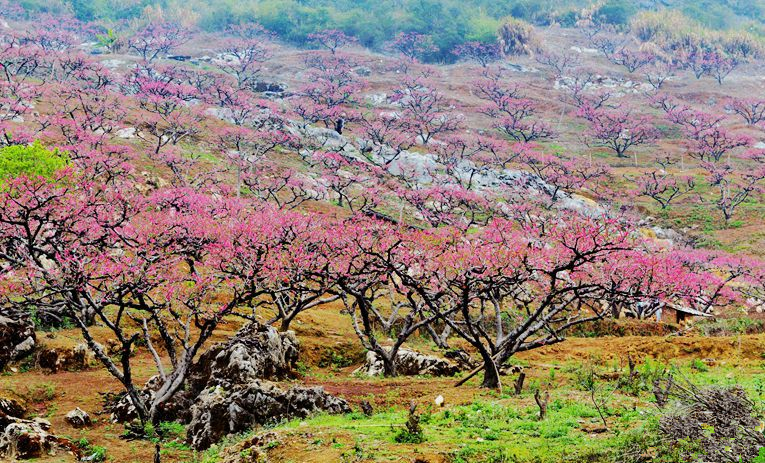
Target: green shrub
[171,430]
[729,326]
[699,365]
[41,393]
[616,12]
[32,160]
[333,359]
[90,451]
[516,37]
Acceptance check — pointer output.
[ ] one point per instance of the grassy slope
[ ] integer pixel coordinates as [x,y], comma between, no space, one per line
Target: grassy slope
[474,422]
[462,429]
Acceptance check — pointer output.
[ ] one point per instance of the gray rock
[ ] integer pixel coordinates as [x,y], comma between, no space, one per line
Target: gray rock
[22,439]
[363,71]
[219,412]
[12,405]
[255,352]
[520,68]
[269,87]
[230,393]
[74,359]
[327,139]
[113,63]
[124,410]
[377,99]
[78,418]
[17,337]
[126,133]
[409,363]
[668,234]
[223,114]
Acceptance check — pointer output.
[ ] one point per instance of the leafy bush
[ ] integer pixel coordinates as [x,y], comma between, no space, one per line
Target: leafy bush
[168,430]
[412,431]
[729,326]
[615,12]
[333,359]
[699,365]
[658,25]
[90,451]
[673,30]
[33,161]
[516,37]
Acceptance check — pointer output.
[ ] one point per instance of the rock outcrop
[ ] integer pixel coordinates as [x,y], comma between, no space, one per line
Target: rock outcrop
[255,352]
[409,363]
[219,412]
[232,392]
[22,439]
[12,405]
[64,359]
[269,87]
[78,418]
[17,337]
[230,388]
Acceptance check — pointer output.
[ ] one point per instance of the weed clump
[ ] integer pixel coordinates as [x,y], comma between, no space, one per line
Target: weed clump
[412,432]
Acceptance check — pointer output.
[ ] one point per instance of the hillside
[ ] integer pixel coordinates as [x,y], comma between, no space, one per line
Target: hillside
[466,232]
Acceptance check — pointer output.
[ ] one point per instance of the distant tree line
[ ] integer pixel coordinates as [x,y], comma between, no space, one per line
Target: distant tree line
[375,23]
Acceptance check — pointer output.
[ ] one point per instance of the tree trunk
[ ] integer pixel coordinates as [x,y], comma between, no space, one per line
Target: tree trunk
[285,323]
[491,378]
[519,383]
[439,339]
[140,406]
[542,403]
[389,363]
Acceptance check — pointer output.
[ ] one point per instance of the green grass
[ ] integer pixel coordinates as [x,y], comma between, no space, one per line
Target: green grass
[504,428]
[485,430]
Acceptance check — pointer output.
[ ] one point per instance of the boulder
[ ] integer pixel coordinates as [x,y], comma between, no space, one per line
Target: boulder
[124,411]
[520,68]
[363,71]
[113,63]
[12,405]
[127,133]
[228,389]
[78,418]
[409,363]
[269,87]
[17,337]
[255,352]
[327,139]
[219,412]
[22,439]
[377,99]
[461,358]
[66,359]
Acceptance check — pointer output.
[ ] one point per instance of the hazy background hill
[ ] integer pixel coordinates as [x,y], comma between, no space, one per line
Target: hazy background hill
[375,22]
